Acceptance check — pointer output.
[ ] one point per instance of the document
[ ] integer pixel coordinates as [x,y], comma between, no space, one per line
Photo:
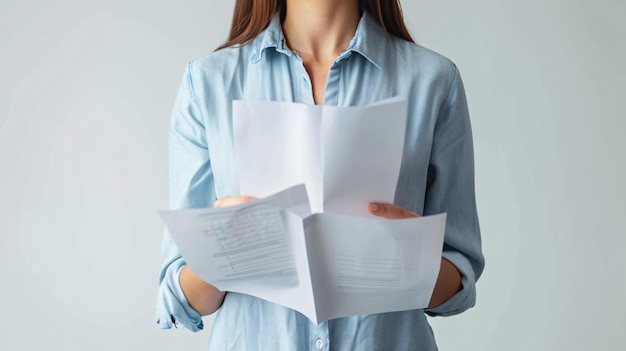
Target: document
[308,243]
[323,265]
[345,156]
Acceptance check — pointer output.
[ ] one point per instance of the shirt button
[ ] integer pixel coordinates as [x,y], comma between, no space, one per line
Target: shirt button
[319,344]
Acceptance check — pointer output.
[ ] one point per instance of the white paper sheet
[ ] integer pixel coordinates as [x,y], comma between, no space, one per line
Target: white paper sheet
[372,265]
[247,242]
[323,265]
[346,156]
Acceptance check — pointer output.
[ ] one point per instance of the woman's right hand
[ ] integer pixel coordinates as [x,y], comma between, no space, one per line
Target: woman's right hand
[232,200]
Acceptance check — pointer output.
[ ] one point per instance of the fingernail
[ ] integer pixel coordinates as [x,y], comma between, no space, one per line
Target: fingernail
[374,207]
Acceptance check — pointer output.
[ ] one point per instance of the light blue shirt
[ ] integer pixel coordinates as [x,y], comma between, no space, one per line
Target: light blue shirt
[437,175]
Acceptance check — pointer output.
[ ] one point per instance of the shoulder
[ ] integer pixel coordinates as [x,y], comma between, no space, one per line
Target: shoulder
[220,73]
[398,55]
[417,61]
[222,62]
[417,53]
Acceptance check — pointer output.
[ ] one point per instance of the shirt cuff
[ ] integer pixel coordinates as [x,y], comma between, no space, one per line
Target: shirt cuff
[172,306]
[464,298]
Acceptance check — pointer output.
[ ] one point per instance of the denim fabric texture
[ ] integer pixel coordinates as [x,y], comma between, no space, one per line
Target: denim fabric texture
[437,175]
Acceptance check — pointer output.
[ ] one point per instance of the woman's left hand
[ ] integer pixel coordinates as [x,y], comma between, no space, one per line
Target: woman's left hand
[449,279]
[389,211]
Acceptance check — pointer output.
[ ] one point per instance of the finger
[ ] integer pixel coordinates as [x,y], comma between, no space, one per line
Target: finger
[389,211]
[232,200]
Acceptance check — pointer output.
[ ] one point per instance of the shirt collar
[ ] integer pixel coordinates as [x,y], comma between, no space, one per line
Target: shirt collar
[369,41]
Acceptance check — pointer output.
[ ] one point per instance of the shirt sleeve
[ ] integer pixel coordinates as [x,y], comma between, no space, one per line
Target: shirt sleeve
[451,189]
[191,185]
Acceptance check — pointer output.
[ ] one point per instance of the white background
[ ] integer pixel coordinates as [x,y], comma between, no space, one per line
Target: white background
[86,90]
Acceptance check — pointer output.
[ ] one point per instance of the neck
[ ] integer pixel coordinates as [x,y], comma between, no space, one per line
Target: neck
[320,29]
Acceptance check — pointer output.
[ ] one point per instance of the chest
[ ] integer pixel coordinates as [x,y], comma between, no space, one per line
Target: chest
[351,82]
[318,73]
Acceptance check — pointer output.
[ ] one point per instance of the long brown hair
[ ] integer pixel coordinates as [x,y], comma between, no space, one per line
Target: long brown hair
[251,17]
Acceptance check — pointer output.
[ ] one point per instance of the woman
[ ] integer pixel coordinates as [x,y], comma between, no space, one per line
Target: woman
[334,52]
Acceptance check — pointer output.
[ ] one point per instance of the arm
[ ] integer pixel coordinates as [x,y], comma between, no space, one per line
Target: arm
[202,296]
[450,189]
[191,185]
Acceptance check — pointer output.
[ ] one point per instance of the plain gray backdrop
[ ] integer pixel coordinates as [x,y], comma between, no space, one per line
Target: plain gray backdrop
[86,90]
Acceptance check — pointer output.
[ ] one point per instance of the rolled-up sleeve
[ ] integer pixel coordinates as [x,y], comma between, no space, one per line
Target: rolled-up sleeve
[451,189]
[191,186]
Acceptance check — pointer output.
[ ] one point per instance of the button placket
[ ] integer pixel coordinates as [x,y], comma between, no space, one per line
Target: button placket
[306,88]
[319,337]
[331,91]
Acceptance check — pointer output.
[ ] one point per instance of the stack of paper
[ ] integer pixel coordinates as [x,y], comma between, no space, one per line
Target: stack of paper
[336,260]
